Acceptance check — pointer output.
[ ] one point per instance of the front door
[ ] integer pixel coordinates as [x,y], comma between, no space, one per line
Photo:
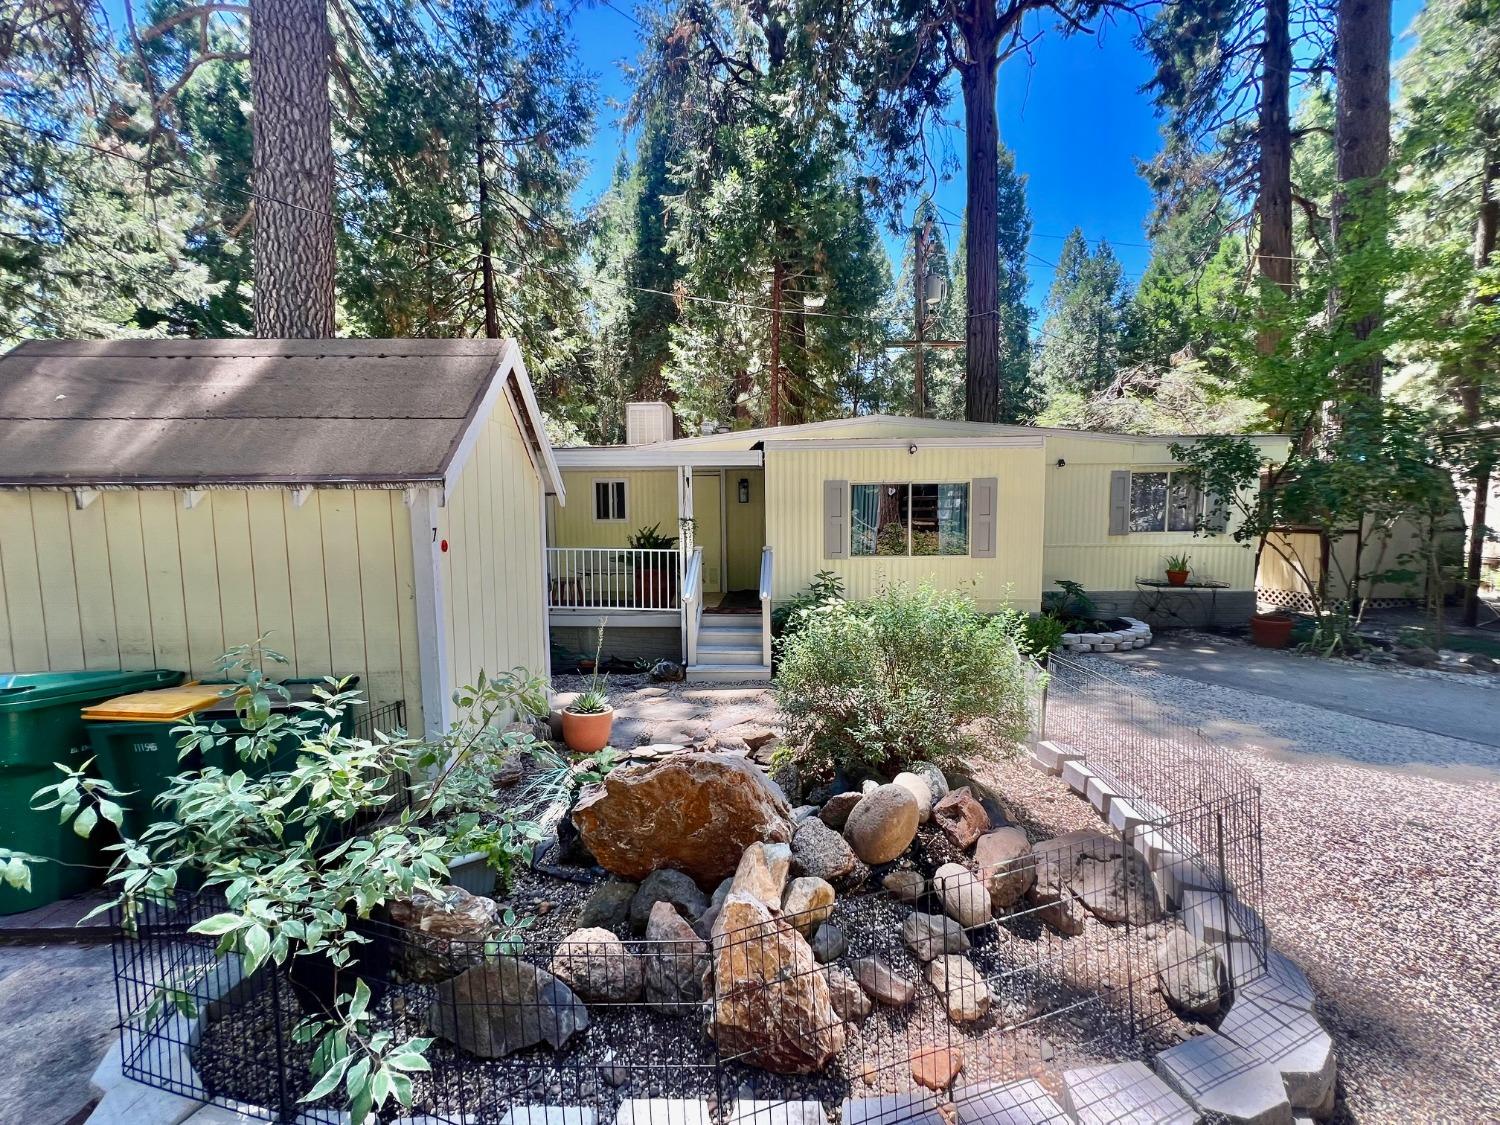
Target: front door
[708,527]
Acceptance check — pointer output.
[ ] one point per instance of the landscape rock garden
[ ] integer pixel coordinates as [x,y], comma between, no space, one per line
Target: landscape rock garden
[838,943]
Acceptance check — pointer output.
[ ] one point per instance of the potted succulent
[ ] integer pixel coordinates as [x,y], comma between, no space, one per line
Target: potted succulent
[655,584]
[588,720]
[1177,569]
[1271,630]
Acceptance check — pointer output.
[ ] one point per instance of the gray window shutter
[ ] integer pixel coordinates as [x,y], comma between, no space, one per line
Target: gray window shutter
[983,503]
[835,519]
[1119,502]
[1217,517]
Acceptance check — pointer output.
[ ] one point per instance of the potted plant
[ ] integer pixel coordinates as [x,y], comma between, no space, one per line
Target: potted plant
[1177,569]
[655,577]
[1271,630]
[588,720]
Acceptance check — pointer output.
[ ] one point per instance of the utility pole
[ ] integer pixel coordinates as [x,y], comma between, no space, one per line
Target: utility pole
[927,294]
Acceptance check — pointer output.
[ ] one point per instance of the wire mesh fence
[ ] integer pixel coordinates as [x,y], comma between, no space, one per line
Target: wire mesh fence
[990,982]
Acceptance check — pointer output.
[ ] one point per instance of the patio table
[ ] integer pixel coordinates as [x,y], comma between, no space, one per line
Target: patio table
[1193,603]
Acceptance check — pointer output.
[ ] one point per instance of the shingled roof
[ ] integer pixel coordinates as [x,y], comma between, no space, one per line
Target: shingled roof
[295,412]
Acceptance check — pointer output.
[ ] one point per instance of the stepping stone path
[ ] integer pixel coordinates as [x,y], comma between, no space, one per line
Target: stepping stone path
[1221,1078]
[1011,1103]
[1125,1093]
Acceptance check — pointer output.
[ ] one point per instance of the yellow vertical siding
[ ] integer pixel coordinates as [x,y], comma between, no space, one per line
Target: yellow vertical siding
[136,580]
[747,527]
[794,519]
[650,498]
[492,571]
[1078,545]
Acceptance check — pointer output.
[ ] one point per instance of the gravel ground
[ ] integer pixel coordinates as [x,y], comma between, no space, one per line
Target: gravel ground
[1382,883]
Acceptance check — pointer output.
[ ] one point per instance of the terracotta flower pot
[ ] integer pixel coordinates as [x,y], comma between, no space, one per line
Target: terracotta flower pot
[587,734]
[1271,630]
[1178,577]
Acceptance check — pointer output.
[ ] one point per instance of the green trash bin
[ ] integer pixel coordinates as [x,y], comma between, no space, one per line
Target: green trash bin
[40,724]
[134,747]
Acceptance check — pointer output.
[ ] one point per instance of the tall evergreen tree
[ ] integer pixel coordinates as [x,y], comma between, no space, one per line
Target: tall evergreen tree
[1084,318]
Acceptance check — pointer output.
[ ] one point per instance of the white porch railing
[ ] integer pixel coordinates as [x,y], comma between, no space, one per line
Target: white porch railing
[767,573]
[600,578]
[692,605]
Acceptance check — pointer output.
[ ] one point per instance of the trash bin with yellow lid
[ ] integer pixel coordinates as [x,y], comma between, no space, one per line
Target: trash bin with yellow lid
[134,746]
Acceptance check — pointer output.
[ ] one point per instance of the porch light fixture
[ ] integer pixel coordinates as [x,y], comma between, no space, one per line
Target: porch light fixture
[912,449]
[744,490]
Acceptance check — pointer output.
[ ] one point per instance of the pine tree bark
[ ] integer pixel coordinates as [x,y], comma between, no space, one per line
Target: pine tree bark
[982,259]
[1470,392]
[1274,206]
[292,150]
[1362,139]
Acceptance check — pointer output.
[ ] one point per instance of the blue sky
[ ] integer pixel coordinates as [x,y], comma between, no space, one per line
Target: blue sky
[1076,120]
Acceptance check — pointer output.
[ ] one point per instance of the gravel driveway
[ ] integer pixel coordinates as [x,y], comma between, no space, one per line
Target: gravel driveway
[1381,879]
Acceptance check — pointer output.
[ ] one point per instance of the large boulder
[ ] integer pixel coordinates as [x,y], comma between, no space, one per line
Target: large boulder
[676,962]
[696,813]
[505,1006]
[835,811]
[932,935]
[883,824]
[761,873]
[962,818]
[595,964]
[819,851]
[1056,862]
[445,933]
[609,905]
[920,789]
[961,986]
[1003,858]
[670,886]
[808,904]
[772,1006]
[1118,890]
[1191,975]
[963,895]
[883,984]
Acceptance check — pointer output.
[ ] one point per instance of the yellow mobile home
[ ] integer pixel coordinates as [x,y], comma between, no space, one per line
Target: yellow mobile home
[373,507]
[1003,511]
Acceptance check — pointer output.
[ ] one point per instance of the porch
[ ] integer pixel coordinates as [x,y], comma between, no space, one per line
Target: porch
[718,636]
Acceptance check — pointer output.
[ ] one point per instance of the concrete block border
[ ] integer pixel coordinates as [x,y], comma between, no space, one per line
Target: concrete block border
[1269,1058]
[1136,634]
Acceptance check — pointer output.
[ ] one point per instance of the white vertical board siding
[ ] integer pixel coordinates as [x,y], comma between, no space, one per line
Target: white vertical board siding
[794,519]
[137,580]
[1078,545]
[493,586]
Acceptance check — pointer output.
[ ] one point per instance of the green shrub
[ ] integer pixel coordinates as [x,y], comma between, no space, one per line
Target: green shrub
[879,684]
[826,586]
[1039,634]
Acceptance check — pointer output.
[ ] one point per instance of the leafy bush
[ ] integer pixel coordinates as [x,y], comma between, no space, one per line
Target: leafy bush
[826,586]
[882,683]
[1039,634]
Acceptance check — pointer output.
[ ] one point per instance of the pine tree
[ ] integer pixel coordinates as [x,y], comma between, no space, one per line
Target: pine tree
[1083,323]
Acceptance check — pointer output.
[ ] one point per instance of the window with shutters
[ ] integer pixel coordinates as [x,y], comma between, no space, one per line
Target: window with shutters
[1164,502]
[896,518]
[609,500]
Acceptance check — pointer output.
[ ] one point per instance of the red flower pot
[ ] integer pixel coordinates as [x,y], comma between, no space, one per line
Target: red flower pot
[1178,577]
[1271,630]
[587,734]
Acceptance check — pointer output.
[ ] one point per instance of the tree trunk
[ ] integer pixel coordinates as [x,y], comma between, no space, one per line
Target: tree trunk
[1362,138]
[1274,206]
[982,144]
[486,244]
[1471,397]
[778,282]
[290,49]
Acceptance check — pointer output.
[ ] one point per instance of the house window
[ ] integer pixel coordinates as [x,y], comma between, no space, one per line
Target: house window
[609,500]
[900,518]
[1164,502]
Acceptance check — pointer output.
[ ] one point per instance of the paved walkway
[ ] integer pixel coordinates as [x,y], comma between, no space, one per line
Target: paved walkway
[1464,712]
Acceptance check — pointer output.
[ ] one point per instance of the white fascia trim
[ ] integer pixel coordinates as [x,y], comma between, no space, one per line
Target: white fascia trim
[510,370]
[431,607]
[651,457]
[1013,441]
